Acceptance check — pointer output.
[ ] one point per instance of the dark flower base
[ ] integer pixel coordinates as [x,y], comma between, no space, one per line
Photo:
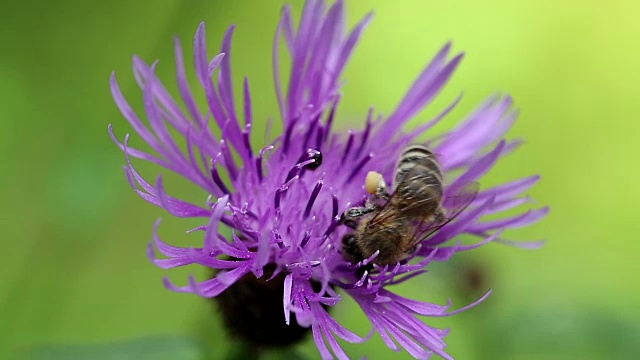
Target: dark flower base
[252,311]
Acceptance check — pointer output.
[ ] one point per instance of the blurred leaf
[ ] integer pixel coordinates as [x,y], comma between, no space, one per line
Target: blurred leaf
[161,347]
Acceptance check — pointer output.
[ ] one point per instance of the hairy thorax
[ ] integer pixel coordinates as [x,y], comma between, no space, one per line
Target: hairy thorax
[388,238]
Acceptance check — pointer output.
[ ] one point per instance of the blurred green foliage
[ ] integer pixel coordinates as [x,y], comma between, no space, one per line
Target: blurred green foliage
[75,271]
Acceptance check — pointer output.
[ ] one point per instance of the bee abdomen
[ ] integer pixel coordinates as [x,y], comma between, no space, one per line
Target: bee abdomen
[423,166]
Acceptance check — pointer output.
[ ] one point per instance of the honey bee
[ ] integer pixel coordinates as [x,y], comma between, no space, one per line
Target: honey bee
[394,224]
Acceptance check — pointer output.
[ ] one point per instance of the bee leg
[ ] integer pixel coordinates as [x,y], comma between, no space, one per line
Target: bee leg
[382,193]
[381,196]
[349,217]
[376,186]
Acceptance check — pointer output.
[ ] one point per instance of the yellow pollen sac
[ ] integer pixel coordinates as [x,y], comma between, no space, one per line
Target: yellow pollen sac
[372,182]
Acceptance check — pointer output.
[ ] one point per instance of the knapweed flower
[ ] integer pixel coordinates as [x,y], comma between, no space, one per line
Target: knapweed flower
[283,201]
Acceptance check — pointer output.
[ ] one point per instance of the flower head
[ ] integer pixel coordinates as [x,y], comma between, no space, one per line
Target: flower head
[283,201]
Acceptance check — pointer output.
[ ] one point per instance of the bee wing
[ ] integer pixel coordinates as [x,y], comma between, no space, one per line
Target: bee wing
[454,205]
[386,214]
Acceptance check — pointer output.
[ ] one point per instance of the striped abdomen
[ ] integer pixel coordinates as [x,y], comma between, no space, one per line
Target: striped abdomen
[418,181]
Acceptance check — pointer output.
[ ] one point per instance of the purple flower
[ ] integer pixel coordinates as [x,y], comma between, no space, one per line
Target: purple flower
[283,201]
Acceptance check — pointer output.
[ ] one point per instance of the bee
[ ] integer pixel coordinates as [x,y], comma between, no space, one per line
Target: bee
[394,224]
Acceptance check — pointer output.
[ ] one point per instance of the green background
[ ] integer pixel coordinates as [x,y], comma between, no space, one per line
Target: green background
[75,280]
